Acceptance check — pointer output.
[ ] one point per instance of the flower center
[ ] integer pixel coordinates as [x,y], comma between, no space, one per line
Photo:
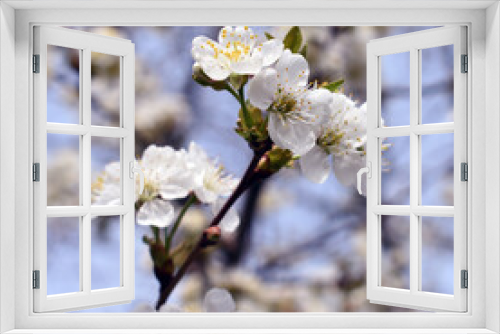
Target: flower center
[212,178]
[285,104]
[150,191]
[331,140]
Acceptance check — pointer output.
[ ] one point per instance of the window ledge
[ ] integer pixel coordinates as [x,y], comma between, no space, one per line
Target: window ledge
[253,331]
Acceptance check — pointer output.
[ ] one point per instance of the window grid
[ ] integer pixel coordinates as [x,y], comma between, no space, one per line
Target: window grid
[85,211]
[414,297]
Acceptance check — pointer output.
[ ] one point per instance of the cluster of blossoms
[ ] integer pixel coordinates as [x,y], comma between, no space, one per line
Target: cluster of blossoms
[171,175]
[315,123]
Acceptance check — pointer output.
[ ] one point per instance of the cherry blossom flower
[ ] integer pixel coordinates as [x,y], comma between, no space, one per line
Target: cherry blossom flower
[167,176]
[237,51]
[343,136]
[294,109]
[212,185]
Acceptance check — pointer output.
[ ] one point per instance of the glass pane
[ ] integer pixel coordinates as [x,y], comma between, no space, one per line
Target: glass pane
[105,252]
[105,76]
[395,235]
[437,169]
[395,82]
[63,255]
[63,169]
[106,171]
[437,254]
[63,85]
[437,84]
[395,178]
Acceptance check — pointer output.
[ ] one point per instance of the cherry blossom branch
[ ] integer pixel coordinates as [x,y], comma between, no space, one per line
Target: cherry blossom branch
[246,181]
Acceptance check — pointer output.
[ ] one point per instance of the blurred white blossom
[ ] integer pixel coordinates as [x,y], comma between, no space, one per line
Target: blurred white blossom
[237,51]
[215,300]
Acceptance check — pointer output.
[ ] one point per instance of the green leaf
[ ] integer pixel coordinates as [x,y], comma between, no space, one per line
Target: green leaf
[268,35]
[293,39]
[334,86]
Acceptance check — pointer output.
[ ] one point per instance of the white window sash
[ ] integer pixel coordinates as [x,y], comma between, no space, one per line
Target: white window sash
[86,43]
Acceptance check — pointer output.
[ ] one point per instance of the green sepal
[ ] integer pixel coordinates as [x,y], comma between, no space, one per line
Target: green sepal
[237,81]
[268,36]
[335,86]
[276,159]
[293,39]
[255,134]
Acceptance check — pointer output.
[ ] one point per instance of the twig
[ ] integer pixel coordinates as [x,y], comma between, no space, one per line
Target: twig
[246,181]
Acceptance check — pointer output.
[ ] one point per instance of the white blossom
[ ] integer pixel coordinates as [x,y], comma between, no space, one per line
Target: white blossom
[342,136]
[218,300]
[237,51]
[213,185]
[211,182]
[167,176]
[294,109]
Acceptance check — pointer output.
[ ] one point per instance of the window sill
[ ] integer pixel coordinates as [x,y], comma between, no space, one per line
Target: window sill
[253,331]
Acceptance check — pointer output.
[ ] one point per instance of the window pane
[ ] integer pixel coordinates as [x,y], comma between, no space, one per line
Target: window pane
[395,170]
[395,235]
[105,74]
[106,171]
[437,169]
[63,169]
[63,85]
[63,255]
[437,254]
[395,99]
[437,84]
[105,252]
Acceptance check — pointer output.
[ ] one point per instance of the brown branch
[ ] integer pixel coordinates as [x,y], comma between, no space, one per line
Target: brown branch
[246,181]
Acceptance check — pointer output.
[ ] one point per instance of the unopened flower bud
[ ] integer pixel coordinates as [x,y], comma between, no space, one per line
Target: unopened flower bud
[200,77]
[211,236]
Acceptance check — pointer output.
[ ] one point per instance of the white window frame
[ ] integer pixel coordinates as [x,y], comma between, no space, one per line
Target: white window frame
[483,21]
[413,44]
[85,43]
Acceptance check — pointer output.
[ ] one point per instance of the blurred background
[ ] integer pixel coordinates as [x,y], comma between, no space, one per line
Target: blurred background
[300,246]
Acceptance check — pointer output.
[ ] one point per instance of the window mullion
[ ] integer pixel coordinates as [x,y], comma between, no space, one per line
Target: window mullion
[414,169]
[85,235]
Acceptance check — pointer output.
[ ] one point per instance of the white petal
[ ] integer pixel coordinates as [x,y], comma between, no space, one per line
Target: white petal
[113,170]
[157,212]
[248,65]
[174,191]
[293,70]
[346,168]
[298,137]
[231,220]
[218,300]
[155,157]
[315,165]
[262,88]
[271,51]
[214,69]
[243,34]
[200,49]
[205,196]
[317,102]
[230,36]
